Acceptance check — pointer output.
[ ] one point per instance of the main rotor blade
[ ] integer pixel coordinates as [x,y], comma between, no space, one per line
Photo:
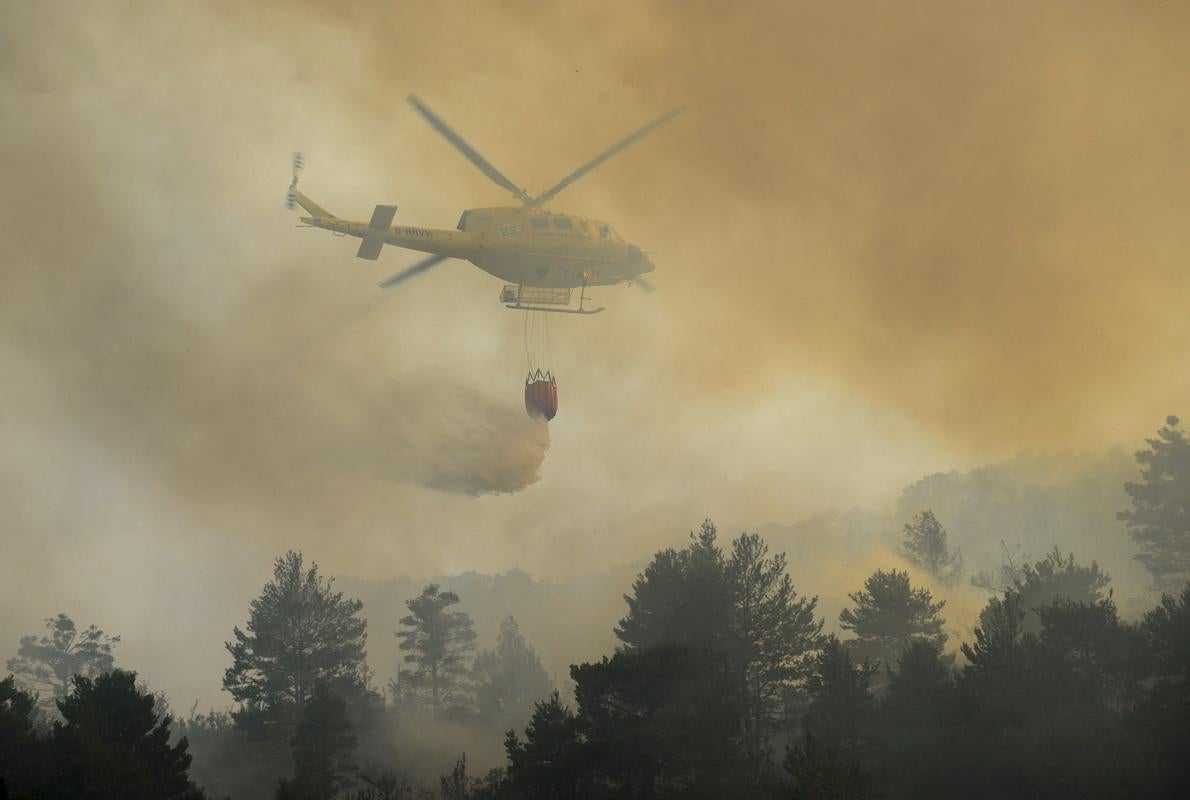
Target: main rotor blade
[416,269]
[467,150]
[605,155]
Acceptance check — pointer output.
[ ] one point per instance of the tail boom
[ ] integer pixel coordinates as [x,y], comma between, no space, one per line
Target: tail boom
[379,231]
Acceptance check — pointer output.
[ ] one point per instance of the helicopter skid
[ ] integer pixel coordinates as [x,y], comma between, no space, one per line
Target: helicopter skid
[521,307]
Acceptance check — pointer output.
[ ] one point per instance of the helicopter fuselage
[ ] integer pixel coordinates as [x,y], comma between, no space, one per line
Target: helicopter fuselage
[522,245]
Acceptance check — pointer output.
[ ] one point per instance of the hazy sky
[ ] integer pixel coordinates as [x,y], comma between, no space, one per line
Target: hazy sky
[890,239]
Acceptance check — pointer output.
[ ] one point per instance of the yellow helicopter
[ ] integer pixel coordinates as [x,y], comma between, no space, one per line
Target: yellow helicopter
[543,256]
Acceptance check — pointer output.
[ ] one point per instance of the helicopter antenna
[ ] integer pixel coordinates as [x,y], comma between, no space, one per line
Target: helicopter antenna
[291,196]
[619,146]
[467,150]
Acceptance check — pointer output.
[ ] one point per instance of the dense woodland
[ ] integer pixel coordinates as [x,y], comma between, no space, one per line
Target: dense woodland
[725,683]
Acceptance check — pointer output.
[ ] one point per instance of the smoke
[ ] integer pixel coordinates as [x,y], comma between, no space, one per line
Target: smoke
[164,334]
[889,241]
[970,212]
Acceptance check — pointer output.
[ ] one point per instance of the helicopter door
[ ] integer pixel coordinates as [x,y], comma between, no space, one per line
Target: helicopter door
[604,235]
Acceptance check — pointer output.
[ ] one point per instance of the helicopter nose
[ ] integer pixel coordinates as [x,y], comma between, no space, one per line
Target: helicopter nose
[634,253]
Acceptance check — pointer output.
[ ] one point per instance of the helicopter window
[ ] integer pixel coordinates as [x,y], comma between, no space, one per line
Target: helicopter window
[463,221]
[604,231]
[582,226]
[563,223]
[539,222]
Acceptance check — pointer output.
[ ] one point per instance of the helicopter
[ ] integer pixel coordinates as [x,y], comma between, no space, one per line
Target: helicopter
[542,255]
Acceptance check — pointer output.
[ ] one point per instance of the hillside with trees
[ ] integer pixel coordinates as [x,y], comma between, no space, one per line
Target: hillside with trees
[724,677]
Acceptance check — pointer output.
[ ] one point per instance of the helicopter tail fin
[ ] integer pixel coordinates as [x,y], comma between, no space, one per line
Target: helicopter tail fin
[373,240]
[313,208]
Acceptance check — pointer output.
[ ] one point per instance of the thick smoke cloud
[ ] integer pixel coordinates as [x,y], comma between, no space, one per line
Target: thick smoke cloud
[971,211]
[166,334]
[890,241]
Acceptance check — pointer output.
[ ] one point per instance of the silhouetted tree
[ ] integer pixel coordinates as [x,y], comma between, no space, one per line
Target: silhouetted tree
[925,546]
[1098,656]
[1159,521]
[684,598]
[1160,719]
[47,663]
[548,763]
[439,642]
[113,744]
[1006,576]
[888,613]
[773,634]
[1001,654]
[323,749]
[455,785]
[1058,577]
[661,722]
[915,724]
[300,633]
[19,747]
[821,773]
[1167,629]
[839,702]
[509,679]
[741,611]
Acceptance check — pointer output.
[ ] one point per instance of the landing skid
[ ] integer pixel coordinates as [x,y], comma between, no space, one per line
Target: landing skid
[519,307]
[531,306]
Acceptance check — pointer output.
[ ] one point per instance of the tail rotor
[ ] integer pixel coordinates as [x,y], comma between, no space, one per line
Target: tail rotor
[291,196]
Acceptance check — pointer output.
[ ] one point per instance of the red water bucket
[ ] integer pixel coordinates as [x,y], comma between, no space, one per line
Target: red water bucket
[541,395]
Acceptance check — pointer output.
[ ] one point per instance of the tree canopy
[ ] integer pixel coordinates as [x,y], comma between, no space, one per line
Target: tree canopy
[738,608]
[1159,520]
[300,633]
[112,743]
[323,745]
[47,663]
[925,546]
[509,679]
[888,614]
[439,642]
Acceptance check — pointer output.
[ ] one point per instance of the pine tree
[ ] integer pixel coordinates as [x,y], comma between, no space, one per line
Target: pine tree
[684,597]
[1159,521]
[509,679]
[773,635]
[323,749]
[47,663]
[548,761]
[740,609]
[19,746]
[300,633]
[839,697]
[914,724]
[1055,577]
[888,613]
[439,642]
[925,546]
[113,743]
[1167,630]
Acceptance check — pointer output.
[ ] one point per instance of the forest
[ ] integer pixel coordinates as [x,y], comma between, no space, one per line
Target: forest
[725,682]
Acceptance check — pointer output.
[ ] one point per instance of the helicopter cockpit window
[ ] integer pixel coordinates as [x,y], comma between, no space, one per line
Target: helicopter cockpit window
[563,223]
[582,226]
[604,230]
[539,222]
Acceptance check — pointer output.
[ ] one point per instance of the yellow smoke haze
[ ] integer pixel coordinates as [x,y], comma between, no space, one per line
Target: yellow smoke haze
[890,239]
